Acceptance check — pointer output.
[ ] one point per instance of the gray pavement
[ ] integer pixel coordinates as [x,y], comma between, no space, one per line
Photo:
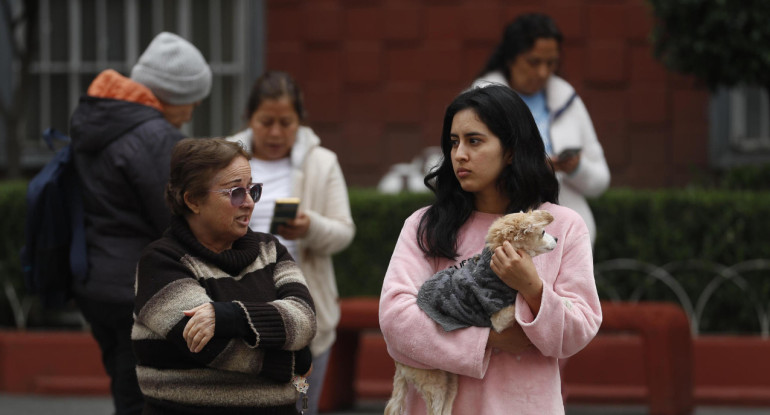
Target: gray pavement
[69,405]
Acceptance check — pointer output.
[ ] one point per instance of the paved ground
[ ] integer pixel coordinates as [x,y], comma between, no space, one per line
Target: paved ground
[46,405]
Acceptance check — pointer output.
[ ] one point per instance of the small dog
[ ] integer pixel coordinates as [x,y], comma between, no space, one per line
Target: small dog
[493,308]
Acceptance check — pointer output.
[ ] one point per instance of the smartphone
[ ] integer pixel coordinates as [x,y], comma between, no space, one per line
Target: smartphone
[285,210]
[568,153]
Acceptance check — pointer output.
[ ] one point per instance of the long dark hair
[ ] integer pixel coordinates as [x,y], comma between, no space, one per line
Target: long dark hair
[518,37]
[527,182]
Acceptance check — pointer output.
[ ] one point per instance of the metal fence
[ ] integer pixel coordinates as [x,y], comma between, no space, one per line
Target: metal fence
[697,298]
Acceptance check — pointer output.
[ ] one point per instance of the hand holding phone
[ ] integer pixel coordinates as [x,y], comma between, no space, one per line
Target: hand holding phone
[568,153]
[284,211]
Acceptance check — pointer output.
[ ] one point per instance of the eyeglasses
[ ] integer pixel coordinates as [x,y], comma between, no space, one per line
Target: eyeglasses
[238,194]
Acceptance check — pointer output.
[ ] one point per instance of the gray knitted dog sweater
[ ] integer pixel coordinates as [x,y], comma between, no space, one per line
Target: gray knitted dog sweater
[466,296]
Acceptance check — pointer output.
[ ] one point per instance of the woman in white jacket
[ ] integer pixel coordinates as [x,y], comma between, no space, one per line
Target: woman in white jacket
[290,162]
[526,60]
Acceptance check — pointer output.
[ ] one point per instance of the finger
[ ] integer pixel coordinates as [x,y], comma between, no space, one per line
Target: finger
[510,251]
[193,344]
[187,329]
[202,307]
[201,340]
[196,328]
[196,343]
[192,311]
[190,338]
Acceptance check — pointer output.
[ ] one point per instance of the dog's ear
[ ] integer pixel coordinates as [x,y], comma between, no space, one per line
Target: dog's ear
[534,221]
[541,218]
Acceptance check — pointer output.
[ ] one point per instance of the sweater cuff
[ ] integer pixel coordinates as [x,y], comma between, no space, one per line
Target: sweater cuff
[230,320]
[277,365]
[267,325]
[303,359]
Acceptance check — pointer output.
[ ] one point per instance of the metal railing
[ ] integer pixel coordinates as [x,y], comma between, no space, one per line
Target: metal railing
[712,274]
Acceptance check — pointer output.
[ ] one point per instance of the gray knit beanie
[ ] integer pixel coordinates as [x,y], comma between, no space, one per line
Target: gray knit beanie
[174,70]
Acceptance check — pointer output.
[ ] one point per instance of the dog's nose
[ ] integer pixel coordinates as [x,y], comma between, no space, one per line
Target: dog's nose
[555,239]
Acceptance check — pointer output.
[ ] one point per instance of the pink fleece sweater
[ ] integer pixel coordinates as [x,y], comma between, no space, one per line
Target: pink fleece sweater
[495,382]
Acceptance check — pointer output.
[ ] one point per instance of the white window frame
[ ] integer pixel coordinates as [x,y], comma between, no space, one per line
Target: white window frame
[740,130]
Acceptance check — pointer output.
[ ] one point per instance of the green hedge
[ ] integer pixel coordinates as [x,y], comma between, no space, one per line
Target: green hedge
[12,214]
[654,226]
[661,226]
[379,218]
[657,226]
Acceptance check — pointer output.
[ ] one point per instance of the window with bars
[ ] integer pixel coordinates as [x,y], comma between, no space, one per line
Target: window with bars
[80,38]
[740,126]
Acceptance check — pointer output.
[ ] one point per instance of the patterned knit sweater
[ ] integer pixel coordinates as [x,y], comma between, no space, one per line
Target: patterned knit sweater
[265,320]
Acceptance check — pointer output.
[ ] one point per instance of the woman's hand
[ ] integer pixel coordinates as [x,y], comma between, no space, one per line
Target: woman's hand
[200,329]
[568,165]
[512,339]
[516,269]
[295,228]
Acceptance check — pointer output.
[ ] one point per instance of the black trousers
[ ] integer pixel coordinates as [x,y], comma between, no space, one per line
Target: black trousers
[111,327]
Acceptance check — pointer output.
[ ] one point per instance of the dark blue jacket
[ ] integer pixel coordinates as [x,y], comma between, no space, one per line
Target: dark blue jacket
[122,153]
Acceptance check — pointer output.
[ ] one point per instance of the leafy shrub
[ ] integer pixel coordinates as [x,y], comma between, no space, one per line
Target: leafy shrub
[361,267]
[660,226]
[752,177]
[12,214]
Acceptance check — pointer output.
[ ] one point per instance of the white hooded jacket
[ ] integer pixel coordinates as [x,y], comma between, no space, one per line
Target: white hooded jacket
[571,127]
[318,181]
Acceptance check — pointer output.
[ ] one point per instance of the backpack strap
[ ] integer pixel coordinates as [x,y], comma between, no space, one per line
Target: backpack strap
[50,135]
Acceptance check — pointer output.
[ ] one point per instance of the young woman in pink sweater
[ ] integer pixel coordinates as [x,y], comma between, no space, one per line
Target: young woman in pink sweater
[494,163]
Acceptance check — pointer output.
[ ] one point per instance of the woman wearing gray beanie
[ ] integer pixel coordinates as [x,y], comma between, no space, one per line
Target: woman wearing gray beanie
[122,133]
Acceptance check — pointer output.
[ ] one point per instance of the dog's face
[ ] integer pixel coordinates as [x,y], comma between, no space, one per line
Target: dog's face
[524,231]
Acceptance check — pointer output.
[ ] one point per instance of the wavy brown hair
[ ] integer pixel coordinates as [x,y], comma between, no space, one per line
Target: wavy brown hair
[194,163]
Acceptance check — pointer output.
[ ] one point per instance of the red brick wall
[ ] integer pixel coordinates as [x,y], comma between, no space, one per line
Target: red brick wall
[377,76]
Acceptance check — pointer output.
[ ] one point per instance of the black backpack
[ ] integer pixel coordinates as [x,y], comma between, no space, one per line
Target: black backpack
[54,253]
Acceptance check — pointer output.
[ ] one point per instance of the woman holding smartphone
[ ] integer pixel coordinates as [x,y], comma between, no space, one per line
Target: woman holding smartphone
[290,162]
[525,60]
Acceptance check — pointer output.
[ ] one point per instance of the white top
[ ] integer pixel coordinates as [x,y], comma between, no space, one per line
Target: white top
[275,176]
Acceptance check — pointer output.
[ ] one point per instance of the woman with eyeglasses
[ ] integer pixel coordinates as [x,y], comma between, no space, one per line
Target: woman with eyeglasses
[223,316]
[289,160]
